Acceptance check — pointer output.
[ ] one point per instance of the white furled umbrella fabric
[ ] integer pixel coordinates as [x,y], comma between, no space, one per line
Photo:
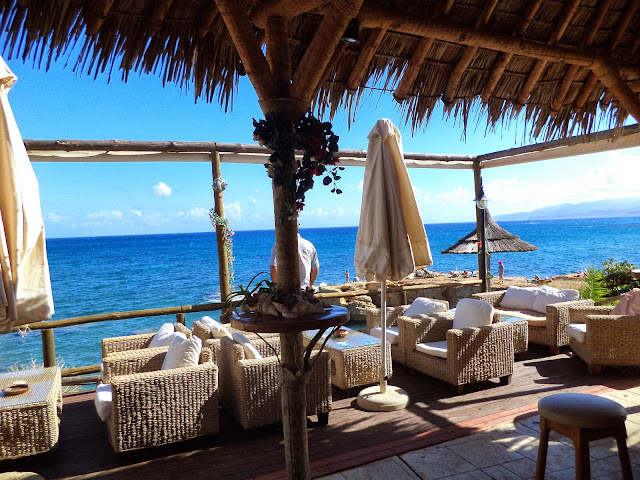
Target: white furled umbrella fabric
[25,291]
[391,241]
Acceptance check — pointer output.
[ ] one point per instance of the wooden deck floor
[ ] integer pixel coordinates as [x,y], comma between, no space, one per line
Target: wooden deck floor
[353,436]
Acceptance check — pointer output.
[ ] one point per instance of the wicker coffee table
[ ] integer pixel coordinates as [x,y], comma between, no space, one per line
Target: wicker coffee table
[29,421]
[520,334]
[355,359]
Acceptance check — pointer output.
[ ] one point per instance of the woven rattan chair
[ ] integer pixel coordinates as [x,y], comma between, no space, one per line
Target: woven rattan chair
[374,321]
[554,332]
[251,392]
[152,407]
[474,354]
[203,332]
[609,340]
[133,342]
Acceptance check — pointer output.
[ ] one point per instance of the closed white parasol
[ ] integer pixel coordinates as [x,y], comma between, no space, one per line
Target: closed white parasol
[391,241]
[25,291]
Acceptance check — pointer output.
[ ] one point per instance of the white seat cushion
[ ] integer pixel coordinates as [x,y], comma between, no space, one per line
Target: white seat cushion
[424,306]
[103,401]
[472,313]
[218,330]
[250,352]
[183,352]
[550,295]
[577,331]
[437,349]
[392,334]
[520,298]
[163,336]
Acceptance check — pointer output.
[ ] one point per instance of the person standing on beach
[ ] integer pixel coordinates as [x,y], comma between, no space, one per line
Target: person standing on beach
[307,262]
[500,271]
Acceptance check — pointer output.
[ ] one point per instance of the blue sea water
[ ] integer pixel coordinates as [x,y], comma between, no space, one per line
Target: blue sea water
[111,274]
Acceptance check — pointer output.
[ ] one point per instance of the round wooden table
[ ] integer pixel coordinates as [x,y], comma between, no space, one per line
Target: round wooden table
[294,359]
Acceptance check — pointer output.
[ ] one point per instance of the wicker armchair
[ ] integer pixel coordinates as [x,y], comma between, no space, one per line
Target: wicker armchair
[474,354]
[203,332]
[609,340]
[553,333]
[374,321]
[134,342]
[152,407]
[251,392]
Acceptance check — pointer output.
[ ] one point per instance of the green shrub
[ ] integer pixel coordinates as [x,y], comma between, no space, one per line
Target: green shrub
[594,286]
[617,277]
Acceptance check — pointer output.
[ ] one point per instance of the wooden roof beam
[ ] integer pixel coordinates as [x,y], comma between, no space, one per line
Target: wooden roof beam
[572,70]
[337,55]
[286,9]
[96,14]
[541,65]
[607,73]
[207,15]
[505,58]
[364,59]
[157,16]
[467,56]
[241,32]
[320,51]
[278,53]
[417,59]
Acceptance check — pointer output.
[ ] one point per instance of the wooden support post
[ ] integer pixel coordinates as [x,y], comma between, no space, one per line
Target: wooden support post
[48,348]
[223,264]
[480,228]
[180,318]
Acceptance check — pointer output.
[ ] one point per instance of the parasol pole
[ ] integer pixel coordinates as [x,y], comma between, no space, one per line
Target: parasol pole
[383,339]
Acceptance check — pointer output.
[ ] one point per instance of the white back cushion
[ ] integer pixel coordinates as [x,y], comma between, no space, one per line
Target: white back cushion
[424,306]
[103,401]
[183,352]
[549,295]
[163,336]
[472,313]
[520,298]
[250,352]
[218,330]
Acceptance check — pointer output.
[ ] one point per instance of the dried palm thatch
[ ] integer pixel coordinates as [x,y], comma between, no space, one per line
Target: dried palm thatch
[568,66]
[496,237]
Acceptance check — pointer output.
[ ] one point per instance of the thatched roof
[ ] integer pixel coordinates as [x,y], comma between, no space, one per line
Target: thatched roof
[572,66]
[497,238]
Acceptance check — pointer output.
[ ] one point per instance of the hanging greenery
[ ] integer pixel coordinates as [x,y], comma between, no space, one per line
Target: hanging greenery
[228,233]
[314,138]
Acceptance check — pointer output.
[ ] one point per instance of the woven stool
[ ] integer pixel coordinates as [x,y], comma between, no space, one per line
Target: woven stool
[582,418]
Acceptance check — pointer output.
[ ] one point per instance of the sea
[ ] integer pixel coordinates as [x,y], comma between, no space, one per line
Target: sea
[95,275]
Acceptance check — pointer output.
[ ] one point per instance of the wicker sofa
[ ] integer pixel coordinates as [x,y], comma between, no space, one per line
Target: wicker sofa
[549,329]
[152,407]
[393,313]
[251,392]
[601,339]
[473,354]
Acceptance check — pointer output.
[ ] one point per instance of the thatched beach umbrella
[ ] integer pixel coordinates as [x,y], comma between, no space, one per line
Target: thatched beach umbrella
[497,239]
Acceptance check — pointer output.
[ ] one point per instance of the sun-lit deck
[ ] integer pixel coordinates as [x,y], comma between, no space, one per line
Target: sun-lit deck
[353,437]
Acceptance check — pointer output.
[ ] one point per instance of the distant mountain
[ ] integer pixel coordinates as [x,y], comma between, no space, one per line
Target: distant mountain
[622,207]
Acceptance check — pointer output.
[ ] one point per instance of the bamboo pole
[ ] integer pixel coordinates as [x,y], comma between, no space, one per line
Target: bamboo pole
[180,318]
[367,52]
[221,234]
[48,347]
[288,9]
[207,15]
[480,227]
[96,14]
[413,68]
[278,53]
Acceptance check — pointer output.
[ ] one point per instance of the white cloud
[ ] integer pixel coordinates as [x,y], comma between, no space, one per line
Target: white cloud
[360,185]
[162,190]
[54,217]
[253,201]
[233,211]
[137,213]
[197,212]
[105,215]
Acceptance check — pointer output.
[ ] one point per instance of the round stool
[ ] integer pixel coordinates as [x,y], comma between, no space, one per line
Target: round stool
[582,418]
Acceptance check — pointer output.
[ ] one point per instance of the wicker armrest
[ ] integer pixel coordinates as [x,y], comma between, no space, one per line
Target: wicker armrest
[132,362]
[489,337]
[129,342]
[422,328]
[578,313]
[494,298]
[201,331]
[178,327]
[373,316]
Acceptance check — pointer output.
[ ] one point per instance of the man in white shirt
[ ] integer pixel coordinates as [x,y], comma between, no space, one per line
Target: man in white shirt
[307,261]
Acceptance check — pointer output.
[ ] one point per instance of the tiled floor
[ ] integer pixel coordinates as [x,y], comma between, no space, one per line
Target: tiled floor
[506,452]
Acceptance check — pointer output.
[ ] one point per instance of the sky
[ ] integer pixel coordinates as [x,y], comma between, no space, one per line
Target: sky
[96,199]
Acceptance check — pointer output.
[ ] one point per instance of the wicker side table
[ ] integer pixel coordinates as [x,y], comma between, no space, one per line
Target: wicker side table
[29,422]
[355,360]
[520,334]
